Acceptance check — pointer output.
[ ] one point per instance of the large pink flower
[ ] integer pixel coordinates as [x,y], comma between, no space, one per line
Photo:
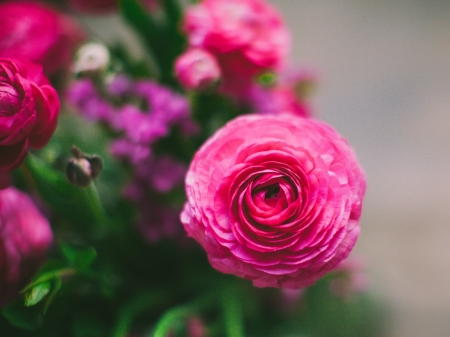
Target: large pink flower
[35,32]
[25,236]
[29,110]
[275,199]
[246,36]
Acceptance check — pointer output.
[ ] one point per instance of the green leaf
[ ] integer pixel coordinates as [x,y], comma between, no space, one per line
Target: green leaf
[156,35]
[56,286]
[80,258]
[28,318]
[37,293]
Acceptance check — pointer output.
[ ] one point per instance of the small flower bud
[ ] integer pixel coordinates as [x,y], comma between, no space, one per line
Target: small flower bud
[197,69]
[83,168]
[91,59]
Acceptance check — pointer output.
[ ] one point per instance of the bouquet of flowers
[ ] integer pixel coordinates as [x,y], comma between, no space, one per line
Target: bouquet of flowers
[189,192]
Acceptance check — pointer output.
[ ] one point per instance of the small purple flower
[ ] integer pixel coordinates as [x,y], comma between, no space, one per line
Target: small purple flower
[135,153]
[83,95]
[119,85]
[140,127]
[163,173]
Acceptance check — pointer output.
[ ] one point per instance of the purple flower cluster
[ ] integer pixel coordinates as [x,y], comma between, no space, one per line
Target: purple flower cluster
[142,112]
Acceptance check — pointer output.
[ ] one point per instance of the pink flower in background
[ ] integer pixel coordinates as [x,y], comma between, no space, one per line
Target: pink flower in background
[349,278]
[32,31]
[105,6]
[289,94]
[25,236]
[246,36]
[277,100]
[275,199]
[197,69]
[94,6]
[29,110]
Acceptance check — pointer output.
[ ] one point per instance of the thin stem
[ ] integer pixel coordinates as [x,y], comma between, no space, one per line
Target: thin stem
[97,207]
[150,299]
[173,315]
[232,312]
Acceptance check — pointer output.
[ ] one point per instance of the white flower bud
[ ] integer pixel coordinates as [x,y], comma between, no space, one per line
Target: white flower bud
[91,58]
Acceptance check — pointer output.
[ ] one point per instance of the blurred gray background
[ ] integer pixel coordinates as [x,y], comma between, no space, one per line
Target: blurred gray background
[384,71]
[385,85]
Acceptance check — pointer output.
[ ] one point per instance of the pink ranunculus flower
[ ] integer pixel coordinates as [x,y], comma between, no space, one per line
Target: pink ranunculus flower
[275,199]
[197,69]
[29,110]
[35,32]
[246,36]
[25,237]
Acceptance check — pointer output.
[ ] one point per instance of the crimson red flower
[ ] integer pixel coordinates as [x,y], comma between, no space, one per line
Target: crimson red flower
[29,110]
[25,236]
[275,199]
[35,32]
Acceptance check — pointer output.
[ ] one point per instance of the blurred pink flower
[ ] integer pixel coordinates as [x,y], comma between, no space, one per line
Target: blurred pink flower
[25,236]
[275,199]
[277,100]
[105,6]
[197,69]
[289,94]
[29,110]
[35,32]
[246,36]
[349,278]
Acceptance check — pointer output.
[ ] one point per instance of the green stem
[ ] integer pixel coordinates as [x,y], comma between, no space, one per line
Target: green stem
[181,312]
[143,301]
[232,312]
[97,207]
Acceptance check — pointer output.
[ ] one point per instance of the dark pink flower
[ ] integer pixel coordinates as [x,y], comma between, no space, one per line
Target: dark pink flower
[29,110]
[275,199]
[32,31]
[197,69]
[25,236]
[246,36]
[105,6]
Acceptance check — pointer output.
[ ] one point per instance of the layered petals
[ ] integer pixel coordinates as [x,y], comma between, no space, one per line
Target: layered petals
[275,199]
[29,110]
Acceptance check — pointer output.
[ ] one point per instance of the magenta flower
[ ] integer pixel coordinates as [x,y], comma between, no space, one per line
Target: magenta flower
[197,69]
[35,32]
[246,36]
[29,110]
[25,236]
[99,7]
[275,199]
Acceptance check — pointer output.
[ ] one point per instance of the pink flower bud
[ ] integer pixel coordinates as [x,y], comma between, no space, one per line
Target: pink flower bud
[197,69]
[25,236]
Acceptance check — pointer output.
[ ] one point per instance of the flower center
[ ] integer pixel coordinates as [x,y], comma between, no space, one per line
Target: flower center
[272,191]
